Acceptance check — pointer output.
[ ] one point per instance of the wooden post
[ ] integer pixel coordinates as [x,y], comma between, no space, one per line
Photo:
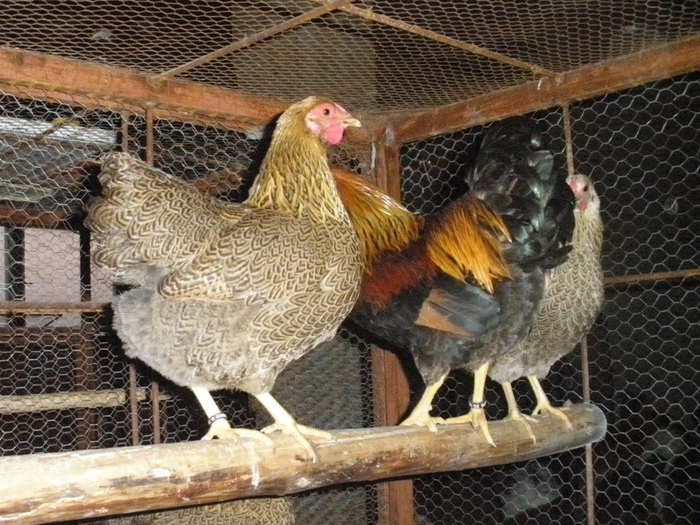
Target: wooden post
[44,488]
[391,389]
[15,270]
[155,389]
[85,352]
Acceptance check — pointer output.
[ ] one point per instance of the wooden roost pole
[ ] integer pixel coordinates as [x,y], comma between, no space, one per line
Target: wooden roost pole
[391,390]
[45,488]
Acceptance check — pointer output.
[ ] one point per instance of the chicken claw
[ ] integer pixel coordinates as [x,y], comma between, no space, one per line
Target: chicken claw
[514,413]
[219,426]
[423,420]
[477,414]
[298,432]
[285,423]
[543,403]
[547,407]
[477,417]
[220,429]
[421,413]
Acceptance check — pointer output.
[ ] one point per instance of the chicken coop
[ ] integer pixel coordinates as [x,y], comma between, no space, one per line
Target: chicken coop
[193,88]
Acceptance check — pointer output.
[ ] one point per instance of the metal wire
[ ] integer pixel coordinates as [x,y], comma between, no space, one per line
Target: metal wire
[64,382]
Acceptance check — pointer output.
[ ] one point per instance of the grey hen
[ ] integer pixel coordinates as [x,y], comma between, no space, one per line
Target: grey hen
[573,298]
[226,295]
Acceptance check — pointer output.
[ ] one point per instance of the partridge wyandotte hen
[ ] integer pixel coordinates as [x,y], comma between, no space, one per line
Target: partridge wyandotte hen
[573,298]
[225,295]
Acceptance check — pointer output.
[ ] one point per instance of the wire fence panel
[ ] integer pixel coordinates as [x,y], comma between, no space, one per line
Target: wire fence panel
[65,384]
[641,148]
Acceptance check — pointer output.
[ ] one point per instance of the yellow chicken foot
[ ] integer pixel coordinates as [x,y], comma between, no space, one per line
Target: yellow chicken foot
[420,415]
[285,423]
[544,404]
[219,426]
[477,415]
[514,412]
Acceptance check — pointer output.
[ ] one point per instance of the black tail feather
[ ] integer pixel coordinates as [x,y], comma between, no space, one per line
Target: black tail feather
[515,175]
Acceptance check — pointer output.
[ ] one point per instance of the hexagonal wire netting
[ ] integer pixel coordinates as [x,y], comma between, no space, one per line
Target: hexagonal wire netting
[66,386]
[374,55]
[641,148]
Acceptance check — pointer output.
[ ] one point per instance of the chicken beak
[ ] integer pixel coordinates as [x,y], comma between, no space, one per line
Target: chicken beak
[351,122]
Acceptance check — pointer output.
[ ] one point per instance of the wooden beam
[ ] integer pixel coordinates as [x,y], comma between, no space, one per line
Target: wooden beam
[609,76]
[68,400]
[249,40]
[35,308]
[46,77]
[391,401]
[658,276]
[33,217]
[370,15]
[388,170]
[45,488]
[40,76]
[391,391]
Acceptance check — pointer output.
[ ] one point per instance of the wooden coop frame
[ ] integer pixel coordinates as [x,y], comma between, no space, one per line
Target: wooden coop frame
[384,453]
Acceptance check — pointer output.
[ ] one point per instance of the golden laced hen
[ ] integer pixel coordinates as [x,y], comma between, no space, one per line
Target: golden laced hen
[226,295]
[572,301]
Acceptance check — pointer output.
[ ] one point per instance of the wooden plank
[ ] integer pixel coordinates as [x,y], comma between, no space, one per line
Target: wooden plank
[45,488]
[46,77]
[67,401]
[673,59]
[391,389]
[40,76]
[22,307]
[34,217]
[651,277]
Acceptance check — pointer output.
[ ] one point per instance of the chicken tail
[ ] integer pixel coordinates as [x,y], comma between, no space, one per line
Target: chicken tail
[147,218]
[513,174]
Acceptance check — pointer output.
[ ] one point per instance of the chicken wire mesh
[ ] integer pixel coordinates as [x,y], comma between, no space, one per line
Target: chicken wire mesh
[375,55]
[641,148]
[401,56]
[65,383]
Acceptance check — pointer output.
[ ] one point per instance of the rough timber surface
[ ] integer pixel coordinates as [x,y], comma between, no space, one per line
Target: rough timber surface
[45,488]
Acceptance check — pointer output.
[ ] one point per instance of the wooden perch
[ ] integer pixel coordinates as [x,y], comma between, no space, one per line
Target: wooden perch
[44,488]
[69,400]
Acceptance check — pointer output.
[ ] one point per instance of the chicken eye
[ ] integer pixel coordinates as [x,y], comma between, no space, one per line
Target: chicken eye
[326,112]
[585,188]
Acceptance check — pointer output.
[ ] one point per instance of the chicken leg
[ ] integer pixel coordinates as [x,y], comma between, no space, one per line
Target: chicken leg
[285,423]
[219,426]
[544,404]
[420,415]
[514,412]
[477,415]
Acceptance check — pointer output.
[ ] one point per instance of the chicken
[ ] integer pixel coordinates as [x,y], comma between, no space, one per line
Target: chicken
[469,286]
[573,298]
[226,295]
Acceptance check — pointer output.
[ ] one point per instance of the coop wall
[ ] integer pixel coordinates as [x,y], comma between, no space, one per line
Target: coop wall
[65,384]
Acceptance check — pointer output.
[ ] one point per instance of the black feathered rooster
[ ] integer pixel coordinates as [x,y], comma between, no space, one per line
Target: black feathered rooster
[460,287]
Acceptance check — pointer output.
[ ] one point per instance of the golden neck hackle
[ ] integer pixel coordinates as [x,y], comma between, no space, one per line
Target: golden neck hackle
[295,177]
